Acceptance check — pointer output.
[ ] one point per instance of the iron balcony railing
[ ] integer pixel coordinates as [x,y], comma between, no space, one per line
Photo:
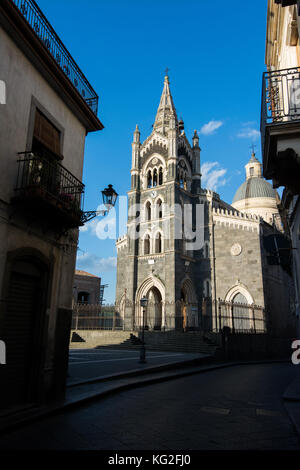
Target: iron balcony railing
[46,34]
[280,98]
[42,179]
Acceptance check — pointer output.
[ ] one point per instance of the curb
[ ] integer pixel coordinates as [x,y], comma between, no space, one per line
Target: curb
[148,370]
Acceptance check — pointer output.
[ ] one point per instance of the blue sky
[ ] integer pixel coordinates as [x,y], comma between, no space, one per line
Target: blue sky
[215,53]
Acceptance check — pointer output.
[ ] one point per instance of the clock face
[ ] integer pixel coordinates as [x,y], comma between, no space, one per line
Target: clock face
[153,194]
[236,249]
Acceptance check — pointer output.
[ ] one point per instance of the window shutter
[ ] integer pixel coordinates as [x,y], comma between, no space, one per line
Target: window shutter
[46,133]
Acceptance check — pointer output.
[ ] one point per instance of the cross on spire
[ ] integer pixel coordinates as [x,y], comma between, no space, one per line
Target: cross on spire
[252,147]
[167,71]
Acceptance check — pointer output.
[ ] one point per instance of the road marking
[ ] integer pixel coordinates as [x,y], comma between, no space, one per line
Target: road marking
[262,412]
[114,360]
[118,351]
[220,411]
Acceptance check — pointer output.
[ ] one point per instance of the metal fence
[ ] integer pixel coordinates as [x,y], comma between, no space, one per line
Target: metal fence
[46,34]
[212,317]
[91,317]
[240,318]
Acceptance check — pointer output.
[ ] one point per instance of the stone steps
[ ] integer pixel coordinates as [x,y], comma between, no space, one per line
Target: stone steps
[192,342]
[81,339]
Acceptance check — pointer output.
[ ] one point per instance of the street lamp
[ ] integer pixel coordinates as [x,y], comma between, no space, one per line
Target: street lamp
[143,302]
[109,196]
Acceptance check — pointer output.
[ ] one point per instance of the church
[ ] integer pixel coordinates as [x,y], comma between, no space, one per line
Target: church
[231,277]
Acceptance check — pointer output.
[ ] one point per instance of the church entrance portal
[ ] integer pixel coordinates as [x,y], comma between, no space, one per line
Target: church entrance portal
[153,318]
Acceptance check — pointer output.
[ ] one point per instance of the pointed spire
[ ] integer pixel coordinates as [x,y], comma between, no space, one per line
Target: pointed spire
[136,134]
[166,117]
[195,139]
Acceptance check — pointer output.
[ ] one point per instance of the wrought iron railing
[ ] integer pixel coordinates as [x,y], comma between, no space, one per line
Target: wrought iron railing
[39,177]
[46,34]
[239,318]
[280,97]
[91,317]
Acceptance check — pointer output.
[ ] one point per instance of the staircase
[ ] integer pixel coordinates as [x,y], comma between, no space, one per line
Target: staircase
[176,341]
[189,342]
[85,339]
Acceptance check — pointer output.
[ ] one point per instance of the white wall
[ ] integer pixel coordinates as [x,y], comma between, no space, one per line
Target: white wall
[23,82]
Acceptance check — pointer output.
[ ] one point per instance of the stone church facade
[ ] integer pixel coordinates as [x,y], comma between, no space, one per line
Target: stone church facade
[202,284]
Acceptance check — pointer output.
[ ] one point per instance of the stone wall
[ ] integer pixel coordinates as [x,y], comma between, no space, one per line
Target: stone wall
[238,259]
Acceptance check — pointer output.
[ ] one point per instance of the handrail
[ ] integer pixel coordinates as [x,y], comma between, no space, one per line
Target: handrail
[49,178]
[50,40]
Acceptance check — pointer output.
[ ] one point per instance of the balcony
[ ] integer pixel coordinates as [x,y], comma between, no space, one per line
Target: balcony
[49,193]
[49,39]
[280,127]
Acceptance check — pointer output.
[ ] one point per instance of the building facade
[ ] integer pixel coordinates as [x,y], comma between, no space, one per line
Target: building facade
[86,288]
[280,118]
[217,281]
[48,110]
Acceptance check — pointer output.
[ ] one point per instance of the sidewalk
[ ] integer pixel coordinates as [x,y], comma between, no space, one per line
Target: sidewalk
[80,391]
[99,387]
[87,366]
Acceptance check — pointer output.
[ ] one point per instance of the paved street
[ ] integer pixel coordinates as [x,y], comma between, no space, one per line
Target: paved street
[89,363]
[234,408]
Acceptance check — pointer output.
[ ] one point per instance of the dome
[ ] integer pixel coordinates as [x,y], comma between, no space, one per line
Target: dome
[254,187]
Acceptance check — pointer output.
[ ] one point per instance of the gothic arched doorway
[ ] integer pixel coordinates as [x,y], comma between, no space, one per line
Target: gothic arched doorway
[154,310]
[154,290]
[186,316]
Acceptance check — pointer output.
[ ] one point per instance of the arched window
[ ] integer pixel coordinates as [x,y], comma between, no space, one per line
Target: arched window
[149,179]
[147,245]
[159,208]
[181,179]
[160,178]
[158,243]
[241,313]
[148,211]
[155,177]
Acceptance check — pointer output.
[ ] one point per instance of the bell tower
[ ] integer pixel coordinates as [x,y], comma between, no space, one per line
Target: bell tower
[152,258]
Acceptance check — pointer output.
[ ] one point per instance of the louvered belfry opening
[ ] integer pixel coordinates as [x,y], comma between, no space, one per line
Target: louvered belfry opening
[22,325]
